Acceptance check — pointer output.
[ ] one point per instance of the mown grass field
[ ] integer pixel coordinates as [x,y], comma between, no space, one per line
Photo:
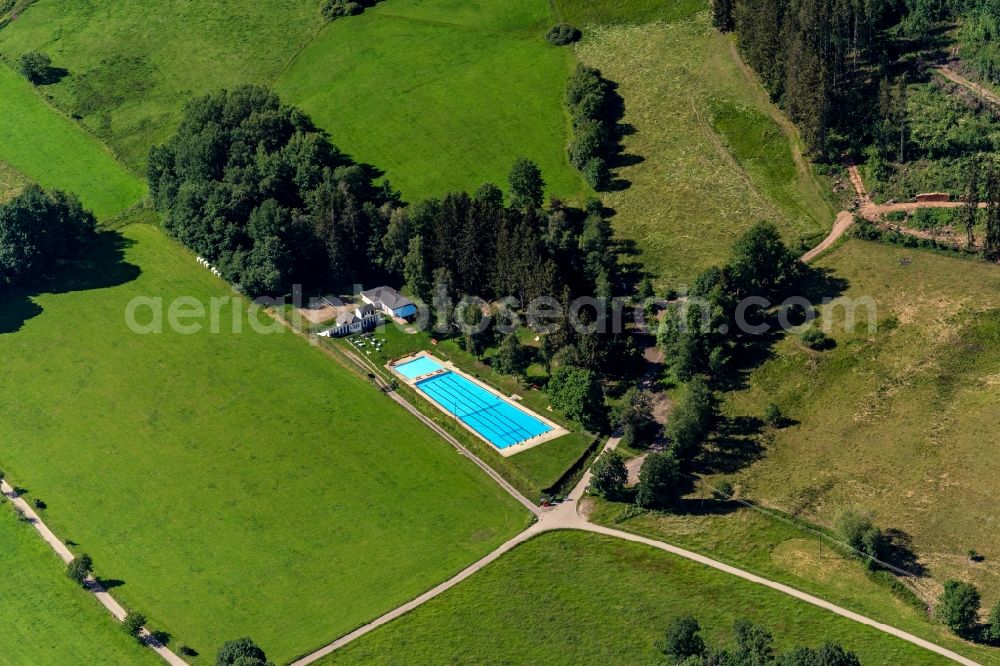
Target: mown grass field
[791,554]
[130,68]
[583,13]
[708,157]
[442,94]
[574,597]
[901,422]
[227,479]
[46,618]
[48,148]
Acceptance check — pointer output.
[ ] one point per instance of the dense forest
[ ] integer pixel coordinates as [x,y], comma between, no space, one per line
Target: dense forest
[839,68]
[253,186]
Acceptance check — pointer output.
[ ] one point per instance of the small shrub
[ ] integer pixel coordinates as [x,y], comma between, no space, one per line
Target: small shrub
[865,539]
[241,652]
[187,651]
[723,490]
[40,505]
[562,34]
[773,416]
[958,607]
[975,556]
[816,339]
[335,9]
[35,66]
[596,173]
[682,639]
[79,568]
[133,623]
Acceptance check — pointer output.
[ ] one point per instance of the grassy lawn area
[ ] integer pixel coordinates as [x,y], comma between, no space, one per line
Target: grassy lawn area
[901,422]
[588,12]
[227,479]
[711,159]
[533,471]
[789,554]
[130,69]
[574,597]
[50,149]
[441,94]
[46,618]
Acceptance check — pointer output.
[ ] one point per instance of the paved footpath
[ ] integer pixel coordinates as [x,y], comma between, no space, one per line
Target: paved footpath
[93,586]
[565,516]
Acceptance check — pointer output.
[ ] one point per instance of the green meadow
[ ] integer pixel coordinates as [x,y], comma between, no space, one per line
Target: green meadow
[708,155]
[50,149]
[46,618]
[130,68]
[580,598]
[586,13]
[788,553]
[442,94]
[899,421]
[224,480]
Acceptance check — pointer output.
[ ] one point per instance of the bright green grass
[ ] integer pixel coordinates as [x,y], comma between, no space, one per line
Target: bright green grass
[586,12]
[574,597]
[714,158]
[46,618]
[441,94]
[48,148]
[132,66]
[228,480]
[901,422]
[792,555]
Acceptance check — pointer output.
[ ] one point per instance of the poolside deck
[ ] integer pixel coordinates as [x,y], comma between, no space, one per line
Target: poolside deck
[554,429]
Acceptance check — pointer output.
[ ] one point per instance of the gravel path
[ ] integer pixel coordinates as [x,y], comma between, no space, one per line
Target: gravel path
[565,516]
[93,586]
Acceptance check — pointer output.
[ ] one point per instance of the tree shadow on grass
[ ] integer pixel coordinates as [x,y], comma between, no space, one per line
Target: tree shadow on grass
[101,265]
[735,445]
[614,152]
[901,555]
[110,583]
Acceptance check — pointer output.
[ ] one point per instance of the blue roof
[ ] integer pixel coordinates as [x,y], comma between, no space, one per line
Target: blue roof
[406,311]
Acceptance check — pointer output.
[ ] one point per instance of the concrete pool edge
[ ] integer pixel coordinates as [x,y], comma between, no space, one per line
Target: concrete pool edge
[555,431]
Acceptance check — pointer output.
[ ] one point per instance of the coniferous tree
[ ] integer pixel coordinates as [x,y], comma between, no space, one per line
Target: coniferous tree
[991,242]
[722,15]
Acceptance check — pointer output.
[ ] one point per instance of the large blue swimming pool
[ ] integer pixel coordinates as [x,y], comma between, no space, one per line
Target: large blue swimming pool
[498,421]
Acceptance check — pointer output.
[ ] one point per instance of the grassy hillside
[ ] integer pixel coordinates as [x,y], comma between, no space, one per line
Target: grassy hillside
[585,13]
[131,67]
[787,553]
[901,422]
[11,181]
[50,149]
[573,597]
[441,94]
[227,479]
[709,158]
[46,618]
